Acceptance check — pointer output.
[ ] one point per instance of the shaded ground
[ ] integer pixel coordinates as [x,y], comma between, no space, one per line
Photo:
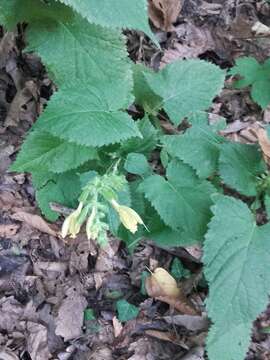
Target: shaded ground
[45,284]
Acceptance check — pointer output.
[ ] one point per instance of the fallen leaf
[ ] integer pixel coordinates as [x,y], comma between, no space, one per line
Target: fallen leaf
[70,316]
[194,41]
[162,286]
[19,105]
[190,322]
[163,13]
[196,353]
[37,341]
[195,251]
[161,335]
[6,354]
[260,29]
[264,142]
[8,230]
[117,326]
[35,221]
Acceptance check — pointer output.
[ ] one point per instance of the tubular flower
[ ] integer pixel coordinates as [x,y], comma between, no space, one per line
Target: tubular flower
[128,217]
[71,225]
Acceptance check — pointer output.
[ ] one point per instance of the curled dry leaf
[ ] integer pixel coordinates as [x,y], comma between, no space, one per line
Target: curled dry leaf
[35,221]
[117,326]
[264,142]
[163,13]
[260,29]
[162,286]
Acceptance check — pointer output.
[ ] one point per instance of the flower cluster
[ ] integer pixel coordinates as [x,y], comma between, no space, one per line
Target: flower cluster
[97,196]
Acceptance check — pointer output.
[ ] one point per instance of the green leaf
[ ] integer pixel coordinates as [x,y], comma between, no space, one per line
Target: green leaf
[236,258]
[126,311]
[89,314]
[186,87]
[143,145]
[182,201]
[178,270]
[44,151]
[267,205]
[137,164]
[239,167]
[144,95]
[74,50]
[198,147]
[256,75]
[84,117]
[119,14]
[63,189]
[91,64]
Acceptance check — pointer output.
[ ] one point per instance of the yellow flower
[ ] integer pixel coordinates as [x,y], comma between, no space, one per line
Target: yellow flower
[128,217]
[70,225]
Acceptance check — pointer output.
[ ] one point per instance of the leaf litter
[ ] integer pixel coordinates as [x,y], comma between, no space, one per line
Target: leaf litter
[46,284]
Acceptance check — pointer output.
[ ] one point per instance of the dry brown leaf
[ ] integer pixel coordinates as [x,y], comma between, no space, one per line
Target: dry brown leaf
[162,286]
[19,108]
[190,322]
[161,335]
[7,354]
[37,341]
[163,13]
[260,29]
[194,41]
[70,316]
[8,230]
[35,221]
[264,142]
[117,326]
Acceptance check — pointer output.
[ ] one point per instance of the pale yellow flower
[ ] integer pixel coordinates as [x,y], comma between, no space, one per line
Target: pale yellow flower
[70,225]
[128,217]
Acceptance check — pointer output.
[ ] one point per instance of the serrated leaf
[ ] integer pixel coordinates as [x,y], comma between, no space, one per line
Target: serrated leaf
[72,49]
[119,14]
[239,167]
[236,258]
[126,311]
[79,113]
[256,75]
[186,87]
[44,151]
[143,145]
[144,95]
[137,164]
[198,147]
[182,201]
[267,205]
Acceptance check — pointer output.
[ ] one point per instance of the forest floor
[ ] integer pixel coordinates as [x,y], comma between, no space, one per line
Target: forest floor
[45,283]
